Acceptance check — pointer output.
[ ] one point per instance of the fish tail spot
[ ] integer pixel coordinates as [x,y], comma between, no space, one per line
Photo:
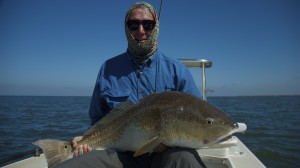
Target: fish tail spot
[55,151]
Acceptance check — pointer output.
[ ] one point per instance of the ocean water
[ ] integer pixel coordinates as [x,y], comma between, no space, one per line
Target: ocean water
[273,133]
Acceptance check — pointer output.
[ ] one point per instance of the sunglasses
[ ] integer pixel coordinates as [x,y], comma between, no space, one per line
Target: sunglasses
[134,25]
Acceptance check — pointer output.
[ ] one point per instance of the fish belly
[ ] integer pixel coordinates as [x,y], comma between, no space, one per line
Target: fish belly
[131,139]
[187,143]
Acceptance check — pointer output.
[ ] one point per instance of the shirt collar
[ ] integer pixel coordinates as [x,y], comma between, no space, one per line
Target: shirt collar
[148,63]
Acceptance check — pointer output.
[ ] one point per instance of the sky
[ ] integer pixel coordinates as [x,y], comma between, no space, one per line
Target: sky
[56,47]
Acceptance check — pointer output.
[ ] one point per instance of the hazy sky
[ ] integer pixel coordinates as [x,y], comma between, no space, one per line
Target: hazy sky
[56,47]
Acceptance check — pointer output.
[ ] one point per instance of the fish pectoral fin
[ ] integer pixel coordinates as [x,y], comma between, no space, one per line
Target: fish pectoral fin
[149,146]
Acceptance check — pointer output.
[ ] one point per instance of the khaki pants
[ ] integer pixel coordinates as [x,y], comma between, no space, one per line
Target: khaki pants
[172,158]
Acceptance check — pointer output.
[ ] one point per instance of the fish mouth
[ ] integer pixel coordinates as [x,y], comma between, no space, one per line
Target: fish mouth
[228,135]
[235,128]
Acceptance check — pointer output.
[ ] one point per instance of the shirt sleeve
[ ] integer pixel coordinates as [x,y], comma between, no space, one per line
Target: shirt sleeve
[96,111]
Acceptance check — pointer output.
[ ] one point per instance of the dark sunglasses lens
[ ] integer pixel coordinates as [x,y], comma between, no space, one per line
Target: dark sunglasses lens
[148,25]
[133,25]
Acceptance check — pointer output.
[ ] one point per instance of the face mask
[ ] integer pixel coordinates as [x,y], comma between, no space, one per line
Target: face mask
[142,51]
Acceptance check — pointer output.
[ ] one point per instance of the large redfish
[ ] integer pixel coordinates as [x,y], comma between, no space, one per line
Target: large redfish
[172,118]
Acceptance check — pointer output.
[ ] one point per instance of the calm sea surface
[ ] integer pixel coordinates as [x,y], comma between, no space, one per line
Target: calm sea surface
[273,133]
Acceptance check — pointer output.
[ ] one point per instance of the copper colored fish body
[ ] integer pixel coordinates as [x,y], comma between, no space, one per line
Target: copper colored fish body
[173,118]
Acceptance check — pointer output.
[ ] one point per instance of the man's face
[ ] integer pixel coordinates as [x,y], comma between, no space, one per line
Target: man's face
[141,14]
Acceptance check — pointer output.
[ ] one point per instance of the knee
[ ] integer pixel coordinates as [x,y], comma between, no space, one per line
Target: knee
[177,158]
[181,157]
[181,153]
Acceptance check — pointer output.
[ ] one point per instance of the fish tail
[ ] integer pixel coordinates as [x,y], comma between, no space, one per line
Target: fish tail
[55,151]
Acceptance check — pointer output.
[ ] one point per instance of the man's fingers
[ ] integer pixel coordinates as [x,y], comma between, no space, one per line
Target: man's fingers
[80,150]
[75,154]
[85,148]
[75,140]
[160,148]
[74,143]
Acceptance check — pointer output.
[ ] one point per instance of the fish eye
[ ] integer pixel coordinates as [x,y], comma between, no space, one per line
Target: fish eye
[209,121]
[66,146]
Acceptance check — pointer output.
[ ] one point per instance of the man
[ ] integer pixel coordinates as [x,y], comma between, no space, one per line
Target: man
[140,71]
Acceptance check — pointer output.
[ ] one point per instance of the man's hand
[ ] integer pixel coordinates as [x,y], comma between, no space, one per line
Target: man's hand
[160,148]
[79,149]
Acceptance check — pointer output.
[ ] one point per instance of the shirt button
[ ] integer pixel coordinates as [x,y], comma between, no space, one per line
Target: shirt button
[140,73]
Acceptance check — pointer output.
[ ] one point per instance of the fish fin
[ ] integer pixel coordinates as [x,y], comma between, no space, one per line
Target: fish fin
[149,146]
[116,112]
[55,151]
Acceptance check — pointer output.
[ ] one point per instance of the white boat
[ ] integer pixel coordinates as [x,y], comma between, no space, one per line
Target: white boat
[230,153]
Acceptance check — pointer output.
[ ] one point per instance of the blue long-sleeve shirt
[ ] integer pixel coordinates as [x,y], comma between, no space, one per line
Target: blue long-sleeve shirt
[120,79]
